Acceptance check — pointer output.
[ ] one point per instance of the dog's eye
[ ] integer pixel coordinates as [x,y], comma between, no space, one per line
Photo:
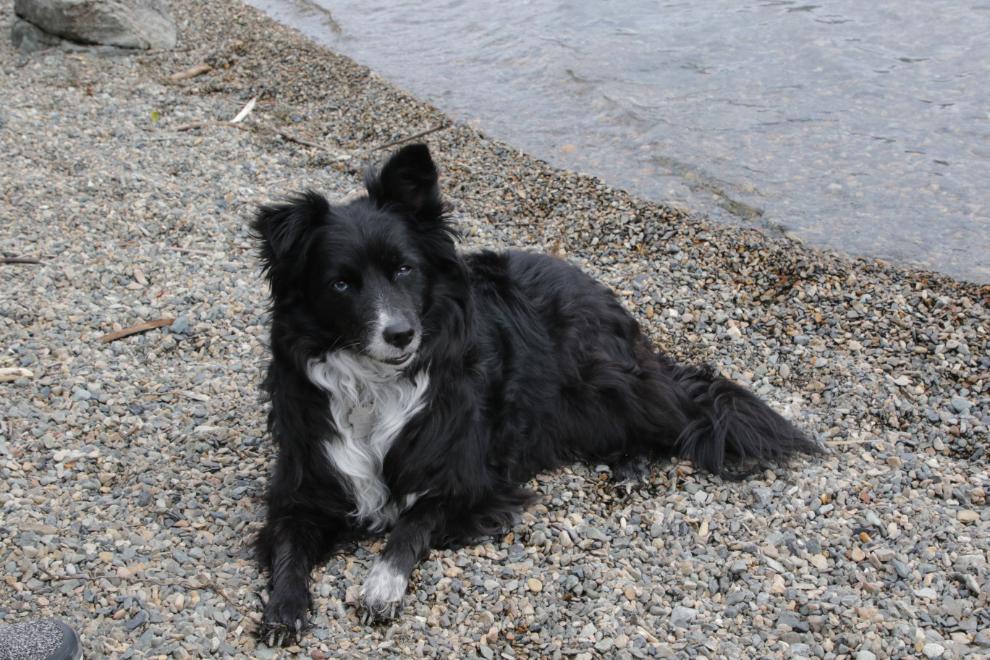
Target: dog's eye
[403,270]
[341,285]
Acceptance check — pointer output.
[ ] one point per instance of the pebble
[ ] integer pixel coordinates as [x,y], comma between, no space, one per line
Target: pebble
[138,620]
[764,496]
[179,326]
[961,405]
[140,464]
[681,617]
[883,554]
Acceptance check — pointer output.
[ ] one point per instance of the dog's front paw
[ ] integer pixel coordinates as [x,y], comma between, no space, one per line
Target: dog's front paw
[285,616]
[382,591]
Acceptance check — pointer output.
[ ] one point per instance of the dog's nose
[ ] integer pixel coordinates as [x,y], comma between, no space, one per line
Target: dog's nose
[398,334]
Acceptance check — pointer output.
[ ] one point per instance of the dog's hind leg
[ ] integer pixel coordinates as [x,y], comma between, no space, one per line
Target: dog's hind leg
[383,589]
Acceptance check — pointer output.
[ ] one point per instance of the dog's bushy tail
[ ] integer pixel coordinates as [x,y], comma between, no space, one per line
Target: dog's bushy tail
[730,425]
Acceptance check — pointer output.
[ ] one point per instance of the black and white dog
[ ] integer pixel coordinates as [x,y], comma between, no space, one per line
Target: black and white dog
[414,389]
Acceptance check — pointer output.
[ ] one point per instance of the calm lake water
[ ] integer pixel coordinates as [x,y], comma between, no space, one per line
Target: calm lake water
[864,126]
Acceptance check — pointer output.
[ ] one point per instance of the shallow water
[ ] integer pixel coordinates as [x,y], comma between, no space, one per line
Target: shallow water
[864,126]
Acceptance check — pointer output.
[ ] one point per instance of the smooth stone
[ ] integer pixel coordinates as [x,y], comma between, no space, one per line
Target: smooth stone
[123,23]
[29,38]
[763,496]
[81,395]
[884,554]
[179,326]
[682,616]
[961,405]
[967,516]
[604,645]
[137,620]
[789,619]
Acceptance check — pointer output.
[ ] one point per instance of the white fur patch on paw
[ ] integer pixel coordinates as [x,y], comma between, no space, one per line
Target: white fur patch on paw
[383,589]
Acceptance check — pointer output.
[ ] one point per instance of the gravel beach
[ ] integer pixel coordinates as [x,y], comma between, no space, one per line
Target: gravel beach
[132,469]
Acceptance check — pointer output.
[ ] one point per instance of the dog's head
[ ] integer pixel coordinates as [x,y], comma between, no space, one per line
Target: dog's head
[358,276]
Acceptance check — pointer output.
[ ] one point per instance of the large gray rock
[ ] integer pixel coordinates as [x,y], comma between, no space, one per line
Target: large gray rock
[29,38]
[121,23]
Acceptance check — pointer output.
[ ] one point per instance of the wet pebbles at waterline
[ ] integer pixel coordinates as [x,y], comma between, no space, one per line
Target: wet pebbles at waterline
[133,468]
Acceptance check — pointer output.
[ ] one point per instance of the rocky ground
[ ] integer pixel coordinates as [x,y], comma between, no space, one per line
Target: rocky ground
[133,468]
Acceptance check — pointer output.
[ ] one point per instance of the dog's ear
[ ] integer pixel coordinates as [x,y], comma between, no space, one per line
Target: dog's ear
[408,179]
[280,226]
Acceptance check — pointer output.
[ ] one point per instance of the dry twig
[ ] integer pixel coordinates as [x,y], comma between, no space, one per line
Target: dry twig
[204,124]
[9,374]
[410,138]
[19,260]
[185,249]
[192,72]
[135,329]
[292,138]
[245,111]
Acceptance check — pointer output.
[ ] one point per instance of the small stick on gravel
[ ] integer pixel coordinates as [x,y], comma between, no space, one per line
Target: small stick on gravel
[192,72]
[74,577]
[245,127]
[9,374]
[204,124]
[292,138]
[19,260]
[185,249]
[245,111]
[411,137]
[135,329]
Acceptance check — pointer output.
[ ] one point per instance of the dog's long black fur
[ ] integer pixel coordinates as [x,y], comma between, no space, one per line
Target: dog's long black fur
[530,363]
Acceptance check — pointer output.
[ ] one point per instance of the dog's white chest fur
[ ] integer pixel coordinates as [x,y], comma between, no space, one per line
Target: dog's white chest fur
[370,403]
